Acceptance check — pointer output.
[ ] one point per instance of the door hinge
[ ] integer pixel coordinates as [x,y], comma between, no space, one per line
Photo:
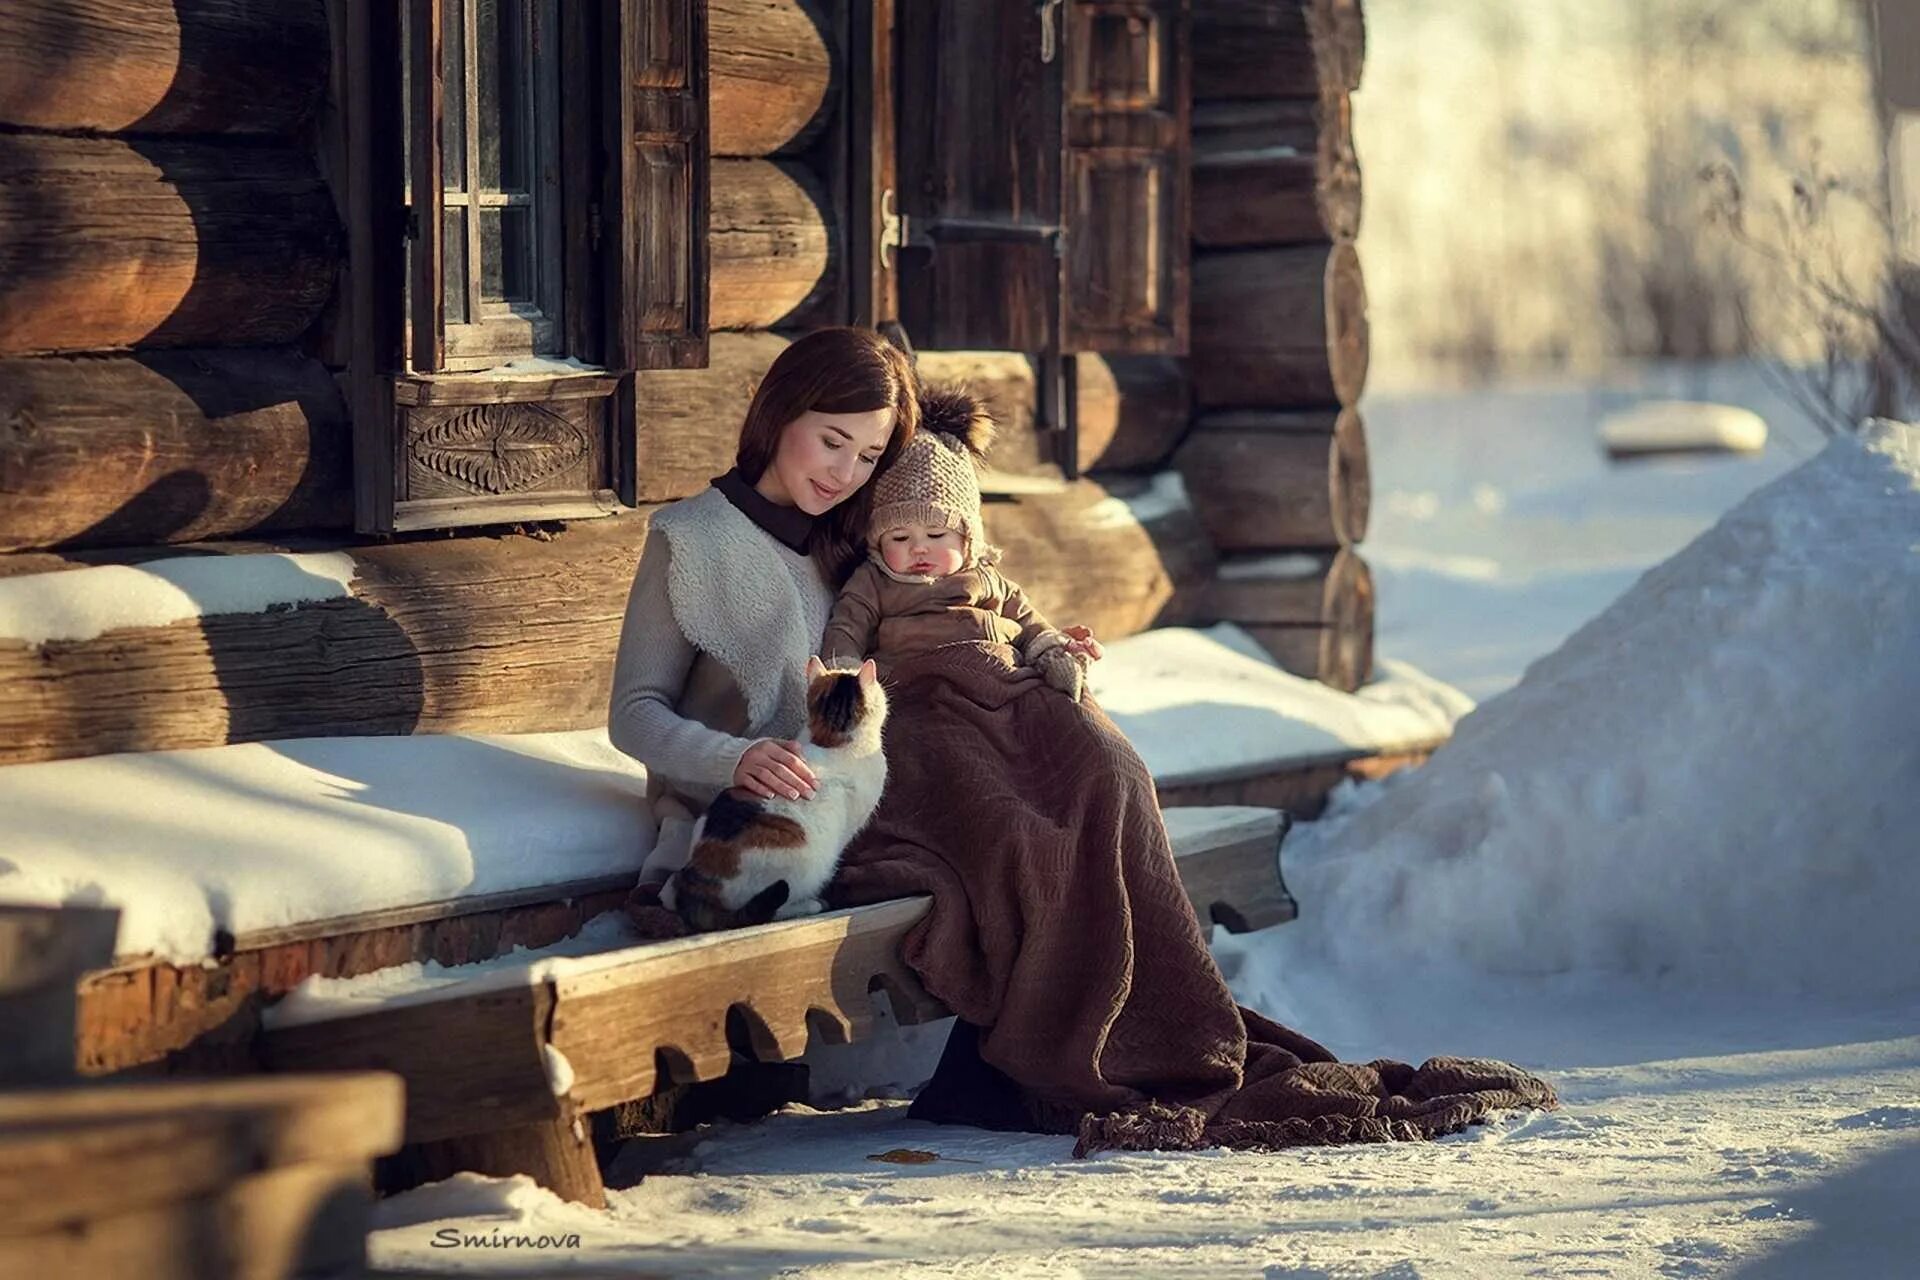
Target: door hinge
[894,229]
[1049,33]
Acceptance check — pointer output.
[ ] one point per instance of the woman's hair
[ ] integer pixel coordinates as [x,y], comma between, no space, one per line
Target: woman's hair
[838,370]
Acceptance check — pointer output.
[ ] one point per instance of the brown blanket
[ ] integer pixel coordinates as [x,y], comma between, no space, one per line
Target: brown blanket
[1060,931]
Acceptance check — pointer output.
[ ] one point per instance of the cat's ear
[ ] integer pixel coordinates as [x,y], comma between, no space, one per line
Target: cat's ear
[867,673]
[815,667]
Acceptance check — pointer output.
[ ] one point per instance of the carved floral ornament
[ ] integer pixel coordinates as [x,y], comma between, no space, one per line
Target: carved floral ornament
[499,448]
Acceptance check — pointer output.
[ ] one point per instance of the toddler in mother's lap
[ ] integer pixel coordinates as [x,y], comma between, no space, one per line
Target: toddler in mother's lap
[930,578]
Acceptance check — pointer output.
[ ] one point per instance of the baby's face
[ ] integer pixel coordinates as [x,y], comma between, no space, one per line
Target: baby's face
[923,549]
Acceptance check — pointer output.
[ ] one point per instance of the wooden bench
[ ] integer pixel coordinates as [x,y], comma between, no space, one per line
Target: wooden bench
[503,1071]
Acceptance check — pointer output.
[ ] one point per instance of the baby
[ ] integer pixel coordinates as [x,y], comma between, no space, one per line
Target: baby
[930,578]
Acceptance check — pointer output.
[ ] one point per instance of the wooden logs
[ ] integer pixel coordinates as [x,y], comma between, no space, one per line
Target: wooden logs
[1133,410]
[1276,48]
[770,76]
[689,419]
[161,244]
[169,446]
[162,66]
[770,239]
[1274,172]
[1279,328]
[503,635]
[1268,480]
[557,1154]
[1313,613]
[1119,555]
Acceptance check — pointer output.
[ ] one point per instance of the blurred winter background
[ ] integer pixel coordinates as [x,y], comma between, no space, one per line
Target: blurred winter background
[1571,208]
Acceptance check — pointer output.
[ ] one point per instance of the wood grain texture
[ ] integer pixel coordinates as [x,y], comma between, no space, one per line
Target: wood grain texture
[772,75]
[1279,328]
[557,1154]
[162,66]
[170,446]
[501,634]
[771,241]
[1276,48]
[1271,480]
[1301,790]
[113,244]
[1313,613]
[1236,884]
[1274,172]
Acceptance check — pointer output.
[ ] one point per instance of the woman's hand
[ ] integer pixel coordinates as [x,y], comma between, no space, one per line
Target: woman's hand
[773,767]
[1080,640]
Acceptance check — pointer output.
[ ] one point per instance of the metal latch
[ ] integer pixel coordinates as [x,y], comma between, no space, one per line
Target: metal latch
[894,230]
[1049,35]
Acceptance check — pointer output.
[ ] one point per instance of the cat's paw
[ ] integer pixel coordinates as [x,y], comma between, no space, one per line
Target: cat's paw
[801,907]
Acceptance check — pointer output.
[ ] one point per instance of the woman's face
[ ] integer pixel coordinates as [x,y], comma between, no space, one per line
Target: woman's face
[823,458]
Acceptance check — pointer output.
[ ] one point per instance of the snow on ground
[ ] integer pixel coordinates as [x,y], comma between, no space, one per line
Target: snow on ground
[1498,524]
[260,835]
[81,604]
[1669,871]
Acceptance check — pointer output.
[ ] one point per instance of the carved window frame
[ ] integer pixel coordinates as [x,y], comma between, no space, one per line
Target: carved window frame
[439,443]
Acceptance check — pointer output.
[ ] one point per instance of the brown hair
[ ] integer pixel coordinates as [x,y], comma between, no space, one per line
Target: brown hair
[838,370]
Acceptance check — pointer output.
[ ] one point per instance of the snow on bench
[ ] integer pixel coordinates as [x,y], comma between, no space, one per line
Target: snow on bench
[230,848]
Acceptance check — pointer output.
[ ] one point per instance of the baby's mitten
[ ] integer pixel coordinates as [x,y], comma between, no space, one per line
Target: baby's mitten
[1063,669]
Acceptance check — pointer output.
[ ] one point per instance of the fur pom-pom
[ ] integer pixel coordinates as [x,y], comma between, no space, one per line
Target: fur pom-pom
[953,410]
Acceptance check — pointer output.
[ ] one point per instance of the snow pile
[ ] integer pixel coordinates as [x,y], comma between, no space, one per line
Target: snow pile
[1683,426]
[1205,705]
[1714,780]
[268,834]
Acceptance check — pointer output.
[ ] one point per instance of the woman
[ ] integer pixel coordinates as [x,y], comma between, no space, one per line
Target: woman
[1059,932]
[733,588]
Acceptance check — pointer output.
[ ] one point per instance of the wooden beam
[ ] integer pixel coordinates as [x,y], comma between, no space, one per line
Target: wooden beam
[1269,480]
[771,235]
[1312,612]
[1276,48]
[1301,789]
[43,952]
[113,244]
[771,76]
[170,446]
[1279,328]
[1273,173]
[162,66]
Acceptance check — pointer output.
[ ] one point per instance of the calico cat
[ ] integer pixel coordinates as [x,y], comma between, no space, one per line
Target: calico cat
[756,860]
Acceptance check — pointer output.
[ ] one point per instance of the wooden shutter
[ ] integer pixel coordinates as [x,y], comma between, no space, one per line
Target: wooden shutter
[979,133]
[427,85]
[1127,181]
[654,228]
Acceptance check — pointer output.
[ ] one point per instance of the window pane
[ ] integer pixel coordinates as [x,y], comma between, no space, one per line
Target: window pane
[453,265]
[504,75]
[506,255]
[453,62]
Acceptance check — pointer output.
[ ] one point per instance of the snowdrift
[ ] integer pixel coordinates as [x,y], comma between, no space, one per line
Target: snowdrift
[1716,781]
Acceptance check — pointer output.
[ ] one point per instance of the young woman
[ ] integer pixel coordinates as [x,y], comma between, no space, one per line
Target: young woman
[1060,933]
[734,585]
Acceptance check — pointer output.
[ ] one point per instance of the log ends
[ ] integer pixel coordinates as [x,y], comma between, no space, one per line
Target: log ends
[162,66]
[1276,48]
[170,446]
[1279,328]
[1272,173]
[114,243]
[1313,612]
[1274,480]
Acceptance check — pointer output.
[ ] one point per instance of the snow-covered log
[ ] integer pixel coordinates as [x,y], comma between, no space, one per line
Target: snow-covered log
[1275,480]
[1312,612]
[493,634]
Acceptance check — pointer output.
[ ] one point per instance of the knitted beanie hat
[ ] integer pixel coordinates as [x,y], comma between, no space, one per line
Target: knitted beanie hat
[934,479]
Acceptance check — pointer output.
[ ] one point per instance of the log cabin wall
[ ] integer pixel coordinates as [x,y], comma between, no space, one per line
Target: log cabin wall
[1276,461]
[173,283]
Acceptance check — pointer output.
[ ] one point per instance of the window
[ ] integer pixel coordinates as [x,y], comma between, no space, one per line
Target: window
[523,178]
[500,266]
